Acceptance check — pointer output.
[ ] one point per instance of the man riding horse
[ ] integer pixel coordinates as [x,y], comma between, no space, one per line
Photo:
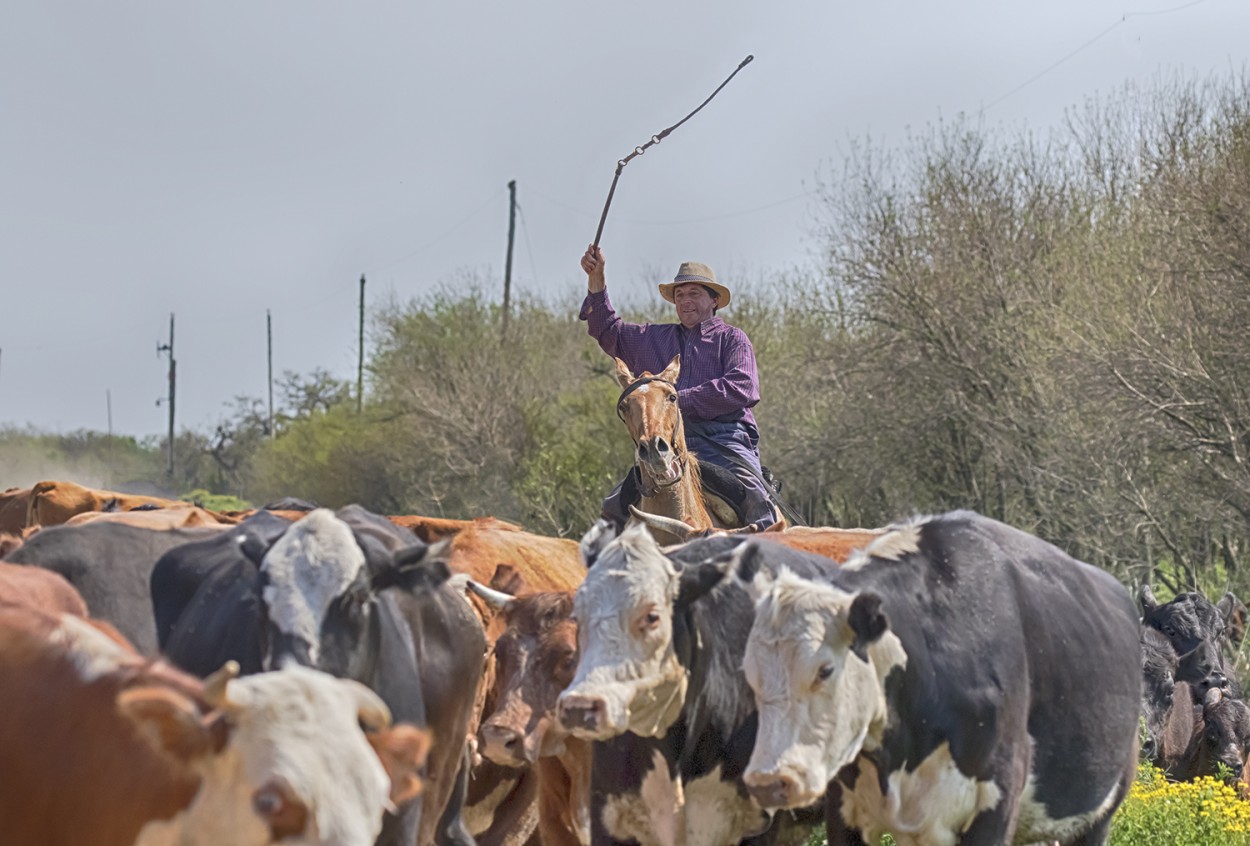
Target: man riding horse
[717,386]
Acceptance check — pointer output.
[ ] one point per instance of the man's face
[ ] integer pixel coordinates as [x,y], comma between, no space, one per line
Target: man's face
[694,304]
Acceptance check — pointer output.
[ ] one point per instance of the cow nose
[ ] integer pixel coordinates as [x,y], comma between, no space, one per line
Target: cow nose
[501,744]
[581,713]
[773,791]
[1148,748]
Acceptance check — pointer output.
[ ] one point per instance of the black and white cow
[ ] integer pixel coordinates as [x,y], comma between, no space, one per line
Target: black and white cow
[958,681]
[353,595]
[659,687]
[110,564]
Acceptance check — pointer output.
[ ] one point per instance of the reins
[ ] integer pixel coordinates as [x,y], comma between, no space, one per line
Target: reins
[681,459]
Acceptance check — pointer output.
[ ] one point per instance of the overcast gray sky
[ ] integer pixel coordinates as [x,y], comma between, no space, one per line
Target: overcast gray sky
[215,160]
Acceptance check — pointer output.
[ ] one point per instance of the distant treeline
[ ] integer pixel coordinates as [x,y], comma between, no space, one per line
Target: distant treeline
[1054,331]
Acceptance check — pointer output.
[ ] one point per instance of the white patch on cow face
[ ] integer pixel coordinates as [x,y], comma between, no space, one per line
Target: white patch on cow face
[891,546]
[300,726]
[932,805]
[1035,825]
[92,653]
[653,815]
[716,813]
[312,563]
[819,703]
[624,612]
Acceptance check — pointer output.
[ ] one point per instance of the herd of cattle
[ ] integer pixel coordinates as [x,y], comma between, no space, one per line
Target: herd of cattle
[172,675]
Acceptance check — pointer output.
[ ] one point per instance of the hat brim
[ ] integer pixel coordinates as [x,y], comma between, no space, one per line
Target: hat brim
[722,293]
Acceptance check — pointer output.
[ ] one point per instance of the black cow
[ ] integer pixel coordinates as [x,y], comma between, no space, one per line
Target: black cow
[110,564]
[353,595]
[957,681]
[659,688]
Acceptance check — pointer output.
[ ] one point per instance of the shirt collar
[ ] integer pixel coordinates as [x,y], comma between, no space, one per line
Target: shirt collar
[706,327]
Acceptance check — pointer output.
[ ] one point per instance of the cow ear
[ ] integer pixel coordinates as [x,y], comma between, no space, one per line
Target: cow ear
[1146,597]
[507,580]
[697,580]
[867,622]
[746,563]
[673,370]
[595,541]
[402,750]
[624,377]
[167,720]
[416,567]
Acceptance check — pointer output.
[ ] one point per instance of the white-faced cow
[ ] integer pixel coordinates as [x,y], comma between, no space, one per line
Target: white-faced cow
[959,681]
[659,687]
[356,596]
[104,747]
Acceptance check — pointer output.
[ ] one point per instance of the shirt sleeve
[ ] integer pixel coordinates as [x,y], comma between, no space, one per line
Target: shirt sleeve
[737,389]
[616,337]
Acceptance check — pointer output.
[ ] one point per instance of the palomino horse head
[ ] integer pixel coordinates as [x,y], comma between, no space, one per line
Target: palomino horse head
[648,405]
[669,476]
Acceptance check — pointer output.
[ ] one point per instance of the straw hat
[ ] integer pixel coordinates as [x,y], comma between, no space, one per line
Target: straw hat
[693,271]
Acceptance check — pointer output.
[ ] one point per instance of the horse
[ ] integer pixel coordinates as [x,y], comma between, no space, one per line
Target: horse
[668,473]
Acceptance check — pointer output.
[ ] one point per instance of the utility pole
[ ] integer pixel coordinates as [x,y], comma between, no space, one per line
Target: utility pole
[360,345]
[507,273]
[269,336]
[173,378]
[108,399]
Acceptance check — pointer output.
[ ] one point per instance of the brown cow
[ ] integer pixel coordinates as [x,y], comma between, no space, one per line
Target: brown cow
[13,505]
[431,529]
[277,755]
[499,809]
[53,503]
[834,543]
[536,656]
[40,589]
[182,515]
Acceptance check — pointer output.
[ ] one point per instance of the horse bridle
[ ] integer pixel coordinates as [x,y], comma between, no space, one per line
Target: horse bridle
[681,461]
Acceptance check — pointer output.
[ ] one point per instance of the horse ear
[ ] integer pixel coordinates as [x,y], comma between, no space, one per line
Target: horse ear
[673,370]
[623,377]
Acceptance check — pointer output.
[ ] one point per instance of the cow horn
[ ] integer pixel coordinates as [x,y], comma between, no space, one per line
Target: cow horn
[494,598]
[656,523]
[1212,698]
[370,709]
[215,685]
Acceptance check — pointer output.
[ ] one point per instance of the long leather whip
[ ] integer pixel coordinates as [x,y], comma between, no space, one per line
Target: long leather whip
[656,139]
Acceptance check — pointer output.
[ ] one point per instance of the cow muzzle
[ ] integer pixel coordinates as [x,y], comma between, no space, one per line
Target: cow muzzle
[777,790]
[505,746]
[584,716]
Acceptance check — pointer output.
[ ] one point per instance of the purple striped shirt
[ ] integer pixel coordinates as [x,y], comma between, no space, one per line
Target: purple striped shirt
[718,379]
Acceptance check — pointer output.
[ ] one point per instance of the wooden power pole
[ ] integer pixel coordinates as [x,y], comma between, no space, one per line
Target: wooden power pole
[269,342]
[360,355]
[507,272]
[173,381]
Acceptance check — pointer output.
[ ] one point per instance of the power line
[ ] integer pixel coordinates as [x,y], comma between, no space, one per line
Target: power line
[654,222]
[1123,19]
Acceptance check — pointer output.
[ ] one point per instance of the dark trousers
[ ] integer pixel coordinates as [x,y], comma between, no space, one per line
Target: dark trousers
[741,440]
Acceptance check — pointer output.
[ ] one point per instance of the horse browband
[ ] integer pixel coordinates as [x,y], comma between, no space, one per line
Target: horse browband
[635,385]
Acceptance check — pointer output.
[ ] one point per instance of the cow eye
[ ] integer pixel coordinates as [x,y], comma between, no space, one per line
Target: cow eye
[825,671]
[1169,631]
[672,397]
[651,620]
